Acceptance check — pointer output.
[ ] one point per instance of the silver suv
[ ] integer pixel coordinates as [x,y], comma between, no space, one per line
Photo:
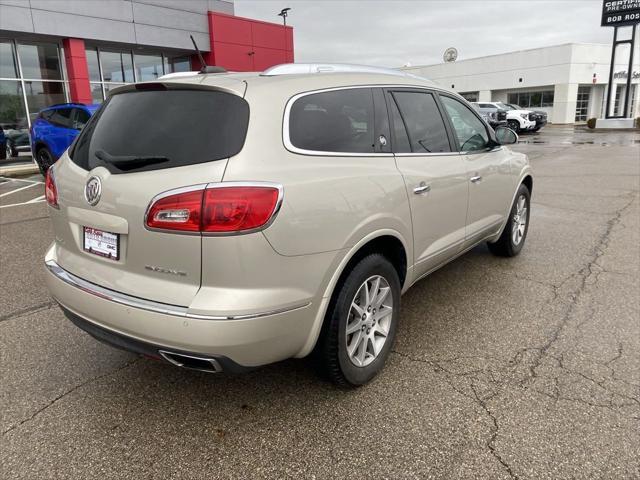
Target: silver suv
[224,221]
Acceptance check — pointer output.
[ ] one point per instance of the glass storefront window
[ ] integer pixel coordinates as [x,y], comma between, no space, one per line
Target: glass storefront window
[116,66]
[12,114]
[43,94]
[8,65]
[148,67]
[93,65]
[532,99]
[547,98]
[177,64]
[96,92]
[40,61]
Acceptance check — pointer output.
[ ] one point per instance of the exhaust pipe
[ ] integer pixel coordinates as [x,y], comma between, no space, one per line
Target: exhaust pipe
[201,364]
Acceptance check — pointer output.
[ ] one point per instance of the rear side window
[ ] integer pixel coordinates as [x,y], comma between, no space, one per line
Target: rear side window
[155,129]
[80,118]
[336,121]
[61,117]
[425,126]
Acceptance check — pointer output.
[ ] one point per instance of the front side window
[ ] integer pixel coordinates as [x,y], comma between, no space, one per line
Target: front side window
[469,129]
[423,122]
[401,142]
[336,121]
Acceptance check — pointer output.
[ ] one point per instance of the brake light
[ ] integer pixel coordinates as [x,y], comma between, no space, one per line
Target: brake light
[234,209]
[218,209]
[50,189]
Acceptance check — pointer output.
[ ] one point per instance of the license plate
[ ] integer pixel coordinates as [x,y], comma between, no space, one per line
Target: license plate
[104,244]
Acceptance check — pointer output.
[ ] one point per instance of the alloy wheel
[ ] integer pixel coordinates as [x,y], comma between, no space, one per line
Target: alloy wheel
[369,321]
[519,223]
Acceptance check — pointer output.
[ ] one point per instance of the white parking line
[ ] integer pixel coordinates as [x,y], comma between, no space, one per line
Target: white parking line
[20,180]
[28,202]
[19,189]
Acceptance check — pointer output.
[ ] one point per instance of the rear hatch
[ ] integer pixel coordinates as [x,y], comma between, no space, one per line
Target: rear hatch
[145,140]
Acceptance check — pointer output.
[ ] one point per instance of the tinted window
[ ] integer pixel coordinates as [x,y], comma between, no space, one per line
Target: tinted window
[338,121]
[423,121]
[173,128]
[401,139]
[61,117]
[471,132]
[81,117]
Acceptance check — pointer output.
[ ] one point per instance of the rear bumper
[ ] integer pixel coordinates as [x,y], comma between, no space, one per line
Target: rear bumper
[146,327]
[157,352]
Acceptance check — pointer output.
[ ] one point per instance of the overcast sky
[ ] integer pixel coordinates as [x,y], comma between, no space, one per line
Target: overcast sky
[393,33]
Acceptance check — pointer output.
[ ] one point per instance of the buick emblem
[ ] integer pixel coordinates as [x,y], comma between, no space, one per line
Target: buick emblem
[93,190]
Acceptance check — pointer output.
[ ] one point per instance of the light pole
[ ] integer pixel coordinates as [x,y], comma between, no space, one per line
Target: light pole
[283,13]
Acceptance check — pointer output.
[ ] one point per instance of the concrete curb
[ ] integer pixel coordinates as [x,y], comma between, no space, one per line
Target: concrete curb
[18,170]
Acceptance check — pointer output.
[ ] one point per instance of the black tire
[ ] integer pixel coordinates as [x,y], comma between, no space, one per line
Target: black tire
[514,125]
[44,159]
[505,245]
[3,151]
[331,350]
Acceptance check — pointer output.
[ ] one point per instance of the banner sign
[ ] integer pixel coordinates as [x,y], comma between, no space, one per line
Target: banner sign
[616,13]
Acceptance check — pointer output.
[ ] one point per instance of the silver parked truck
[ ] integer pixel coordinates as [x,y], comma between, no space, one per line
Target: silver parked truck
[225,221]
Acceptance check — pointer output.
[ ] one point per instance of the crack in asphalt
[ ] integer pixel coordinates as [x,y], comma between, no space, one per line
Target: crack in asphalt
[476,398]
[586,276]
[32,309]
[66,393]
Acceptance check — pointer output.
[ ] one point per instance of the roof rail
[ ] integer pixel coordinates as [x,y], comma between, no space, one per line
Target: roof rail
[309,68]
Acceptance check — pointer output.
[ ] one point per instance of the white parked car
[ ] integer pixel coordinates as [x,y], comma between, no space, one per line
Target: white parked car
[257,217]
[517,120]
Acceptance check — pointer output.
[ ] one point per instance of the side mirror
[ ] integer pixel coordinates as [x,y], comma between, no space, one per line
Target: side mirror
[506,136]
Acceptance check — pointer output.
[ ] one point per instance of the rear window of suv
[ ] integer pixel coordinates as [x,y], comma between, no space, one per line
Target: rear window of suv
[154,129]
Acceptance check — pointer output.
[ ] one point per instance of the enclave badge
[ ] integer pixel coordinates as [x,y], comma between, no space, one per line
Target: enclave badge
[93,190]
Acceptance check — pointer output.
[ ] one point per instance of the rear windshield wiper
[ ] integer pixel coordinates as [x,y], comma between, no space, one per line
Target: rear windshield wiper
[127,162]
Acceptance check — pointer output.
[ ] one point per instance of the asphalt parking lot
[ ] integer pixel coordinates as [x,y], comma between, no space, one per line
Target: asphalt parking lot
[522,368]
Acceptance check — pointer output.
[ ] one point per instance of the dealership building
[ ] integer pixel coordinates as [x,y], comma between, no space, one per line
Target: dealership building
[56,51]
[569,82]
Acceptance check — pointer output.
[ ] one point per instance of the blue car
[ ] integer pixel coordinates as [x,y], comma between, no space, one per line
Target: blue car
[55,128]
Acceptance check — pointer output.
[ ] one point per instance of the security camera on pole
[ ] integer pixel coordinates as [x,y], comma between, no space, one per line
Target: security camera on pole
[620,13]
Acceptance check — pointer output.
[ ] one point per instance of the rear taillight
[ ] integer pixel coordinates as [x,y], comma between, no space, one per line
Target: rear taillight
[50,190]
[221,208]
[178,211]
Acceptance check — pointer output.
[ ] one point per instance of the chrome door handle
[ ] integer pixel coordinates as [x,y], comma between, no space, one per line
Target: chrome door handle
[476,179]
[422,188]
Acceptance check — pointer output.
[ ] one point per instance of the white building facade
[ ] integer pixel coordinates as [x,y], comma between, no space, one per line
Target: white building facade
[569,82]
